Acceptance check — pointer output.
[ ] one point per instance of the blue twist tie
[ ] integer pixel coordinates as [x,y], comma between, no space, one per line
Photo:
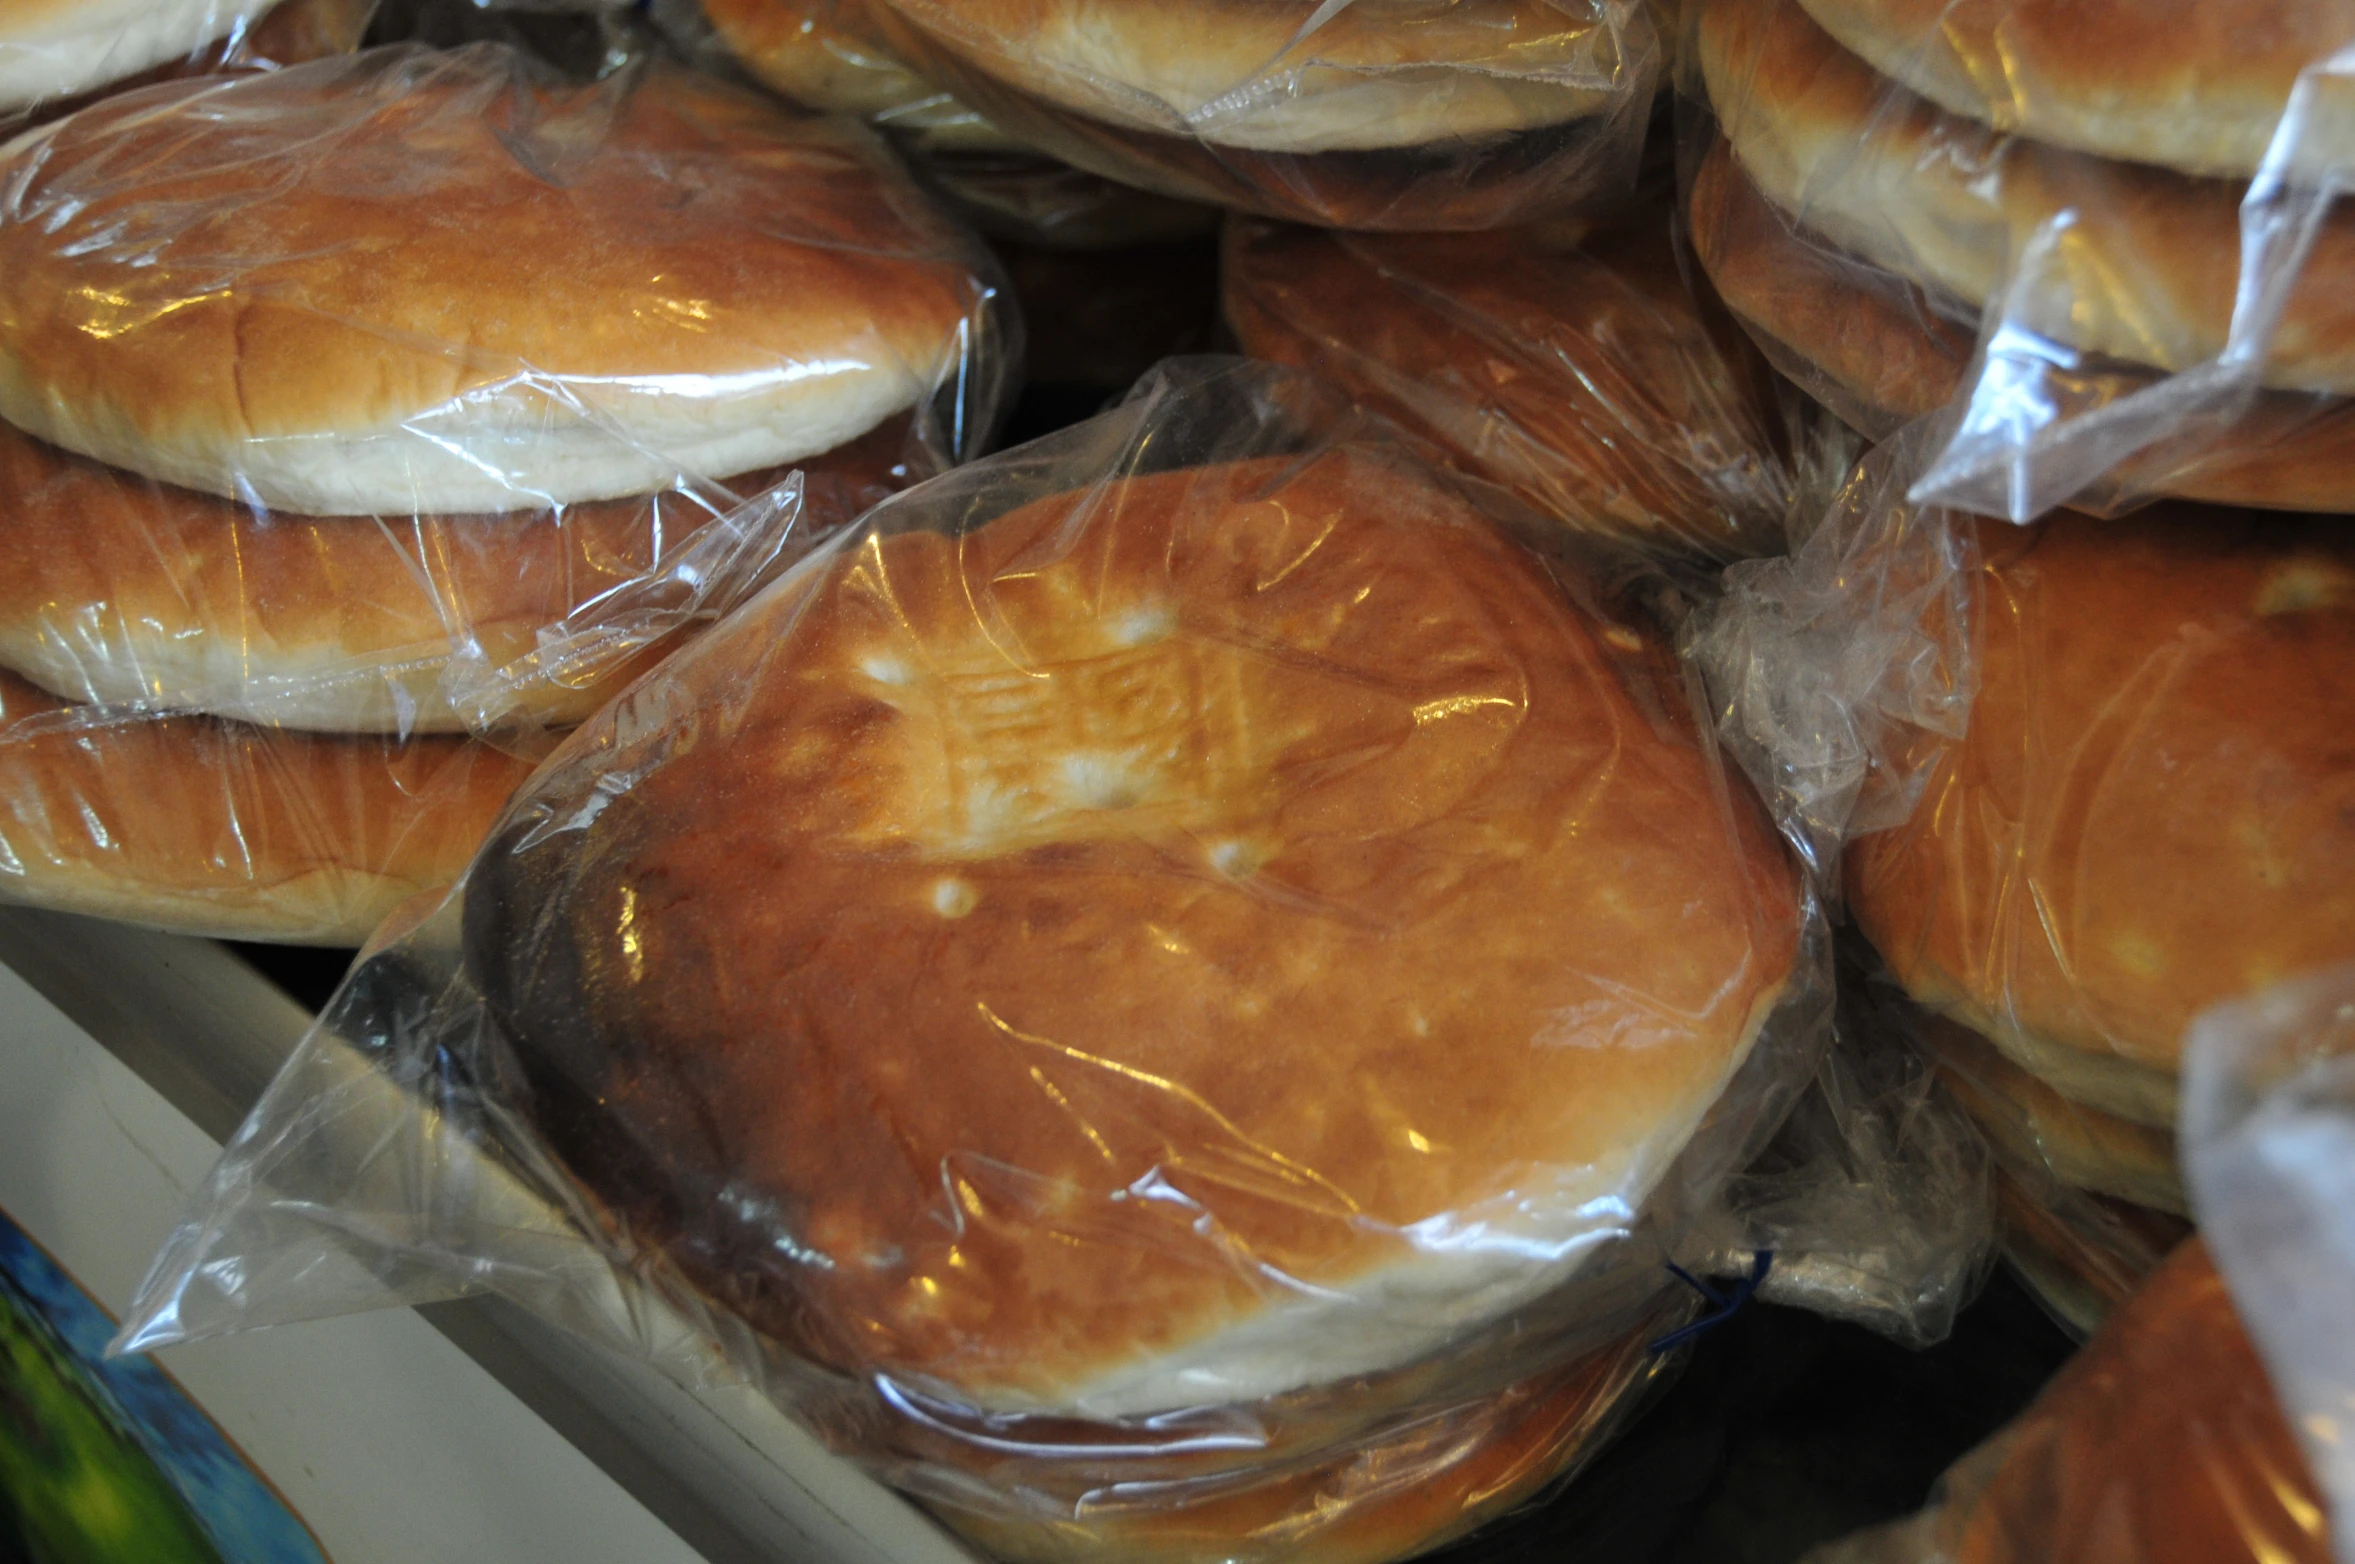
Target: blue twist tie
[1725,1303]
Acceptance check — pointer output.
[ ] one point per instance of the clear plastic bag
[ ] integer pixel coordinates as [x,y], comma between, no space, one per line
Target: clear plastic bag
[1840,672]
[2269,1146]
[421,393]
[2206,1420]
[1877,1198]
[2159,1442]
[2089,1203]
[2090,773]
[1581,373]
[2089,777]
[1880,350]
[1377,114]
[2103,241]
[830,55]
[55,57]
[2151,810]
[1226,976]
[225,828]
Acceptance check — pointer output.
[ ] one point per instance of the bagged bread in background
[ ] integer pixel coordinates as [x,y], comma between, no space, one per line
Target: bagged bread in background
[1236,975]
[2147,810]
[1573,366]
[1383,114]
[56,55]
[1879,350]
[1576,369]
[2207,1418]
[418,393]
[2103,242]
[832,56]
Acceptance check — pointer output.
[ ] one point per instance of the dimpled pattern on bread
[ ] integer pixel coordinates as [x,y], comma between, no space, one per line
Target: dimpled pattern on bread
[1199,936]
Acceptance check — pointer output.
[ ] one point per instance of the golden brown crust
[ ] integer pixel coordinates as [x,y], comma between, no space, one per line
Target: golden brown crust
[2162,1442]
[363,241]
[829,55]
[213,827]
[2154,806]
[123,589]
[823,54]
[1253,73]
[1878,351]
[1222,833]
[1868,332]
[1401,1493]
[1586,380]
[2080,1254]
[2194,84]
[2149,269]
[2033,1126]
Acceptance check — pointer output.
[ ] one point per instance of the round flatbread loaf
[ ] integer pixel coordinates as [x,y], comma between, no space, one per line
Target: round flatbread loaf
[827,55]
[1185,939]
[120,589]
[51,49]
[210,827]
[1297,76]
[424,283]
[1586,379]
[2162,1440]
[2154,806]
[2198,85]
[1398,1492]
[2032,1125]
[2138,263]
[1880,352]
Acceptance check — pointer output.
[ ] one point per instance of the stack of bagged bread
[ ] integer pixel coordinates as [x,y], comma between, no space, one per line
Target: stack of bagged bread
[1166,991]
[1391,114]
[1891,184]
[358,411]
[2030,212]
[2152,811]
[831,56]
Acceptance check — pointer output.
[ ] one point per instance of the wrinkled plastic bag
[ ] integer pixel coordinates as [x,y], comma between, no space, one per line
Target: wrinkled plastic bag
[1377,114]
[435,1134]
[333,502]
[1583,375]
[2150,277]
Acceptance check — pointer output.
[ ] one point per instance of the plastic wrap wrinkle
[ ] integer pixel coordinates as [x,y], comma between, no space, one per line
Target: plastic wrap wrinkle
[1395,114]
[1077,1107]
[1837,673]
[279,326]
[1879,351]
[1585,378]
[2269,1143]
[196,268]
[1876,1197]
[2149,810]
[2134,315]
